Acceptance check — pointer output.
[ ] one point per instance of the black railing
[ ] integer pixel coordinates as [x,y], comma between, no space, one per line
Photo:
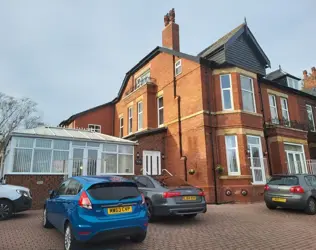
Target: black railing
[139,83]
[272,123]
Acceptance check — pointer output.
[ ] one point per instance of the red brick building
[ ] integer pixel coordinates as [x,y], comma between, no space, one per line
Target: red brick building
[214,111]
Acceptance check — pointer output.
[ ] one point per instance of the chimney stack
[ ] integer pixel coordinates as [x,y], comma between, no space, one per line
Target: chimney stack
[170,34]
[313,71]
[310,79]
[305,74]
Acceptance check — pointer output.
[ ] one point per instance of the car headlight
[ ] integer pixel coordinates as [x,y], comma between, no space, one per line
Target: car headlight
[22,192]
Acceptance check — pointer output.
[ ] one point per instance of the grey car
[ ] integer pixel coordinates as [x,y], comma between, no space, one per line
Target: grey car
[291,191]
[170,195]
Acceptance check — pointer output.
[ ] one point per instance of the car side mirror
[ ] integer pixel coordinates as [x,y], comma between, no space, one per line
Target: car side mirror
[52,193]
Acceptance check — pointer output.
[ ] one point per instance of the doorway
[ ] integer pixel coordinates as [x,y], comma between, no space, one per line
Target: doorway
[151,163]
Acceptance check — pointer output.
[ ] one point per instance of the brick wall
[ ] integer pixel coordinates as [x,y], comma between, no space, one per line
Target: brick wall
[40,185]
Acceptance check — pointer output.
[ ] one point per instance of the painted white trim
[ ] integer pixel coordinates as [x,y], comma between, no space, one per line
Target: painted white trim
[285,109]
[275,107]
[121,132]
[94,129]
[303,152]
[230,90]
[130,117]
[140,126]
[177,65]
[237,156]
[158,109]
[253,93]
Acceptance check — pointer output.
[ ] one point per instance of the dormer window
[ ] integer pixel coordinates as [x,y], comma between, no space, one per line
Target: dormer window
[293,83]
[142,80]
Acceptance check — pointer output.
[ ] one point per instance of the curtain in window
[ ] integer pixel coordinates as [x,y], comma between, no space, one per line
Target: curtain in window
[109,163]
[60,162]
[42,160]
[125,164]
[22,160]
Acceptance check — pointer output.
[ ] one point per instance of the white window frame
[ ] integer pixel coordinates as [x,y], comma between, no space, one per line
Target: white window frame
[237,155]
[160,108]
[96,128]
[252,92]
[130,119]
[302,154]
[312,114]
[285,109]
[140,115]
[178,67]
[142,79]
[230,91]
[274,120]
[121,120]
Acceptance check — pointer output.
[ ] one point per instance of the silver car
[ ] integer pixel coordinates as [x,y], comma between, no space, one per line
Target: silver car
[170,195]
[291,191]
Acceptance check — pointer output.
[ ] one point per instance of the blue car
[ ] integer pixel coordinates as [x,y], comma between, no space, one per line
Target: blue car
[96,208]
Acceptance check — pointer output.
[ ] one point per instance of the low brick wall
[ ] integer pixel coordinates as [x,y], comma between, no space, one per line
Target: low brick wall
[38,184]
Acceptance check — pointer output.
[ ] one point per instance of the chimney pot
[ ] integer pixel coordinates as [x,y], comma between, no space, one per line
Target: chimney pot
[313,71]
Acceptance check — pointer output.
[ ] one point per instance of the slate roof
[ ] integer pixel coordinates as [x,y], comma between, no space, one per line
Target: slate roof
[278,74]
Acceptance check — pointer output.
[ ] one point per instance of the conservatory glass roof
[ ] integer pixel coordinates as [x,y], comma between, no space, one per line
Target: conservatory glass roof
[77,134]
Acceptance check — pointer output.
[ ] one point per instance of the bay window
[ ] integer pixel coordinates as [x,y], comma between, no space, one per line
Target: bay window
[232,155]
[285,112]
[226,90]
[273,109]
[247,92]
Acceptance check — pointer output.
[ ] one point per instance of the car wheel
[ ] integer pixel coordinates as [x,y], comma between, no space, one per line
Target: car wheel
[138,238]
[46,223]
[6,209]
[150,210]
[70,242]
[189,215]
[271,206]
[311,206]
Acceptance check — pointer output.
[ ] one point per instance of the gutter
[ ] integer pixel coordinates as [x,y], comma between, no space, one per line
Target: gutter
[211,135]
[264,130]
[183,157]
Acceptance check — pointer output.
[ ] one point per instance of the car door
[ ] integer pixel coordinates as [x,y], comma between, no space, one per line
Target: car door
[70,201]
[59,201]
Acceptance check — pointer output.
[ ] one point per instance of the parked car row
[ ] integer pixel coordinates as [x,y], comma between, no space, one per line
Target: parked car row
[96,208]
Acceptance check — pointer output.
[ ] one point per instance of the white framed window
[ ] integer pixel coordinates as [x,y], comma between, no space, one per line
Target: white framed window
[142,79]
[130,120]
[232,155]
[178,67]
[160,110]
[139,115]
[293,83]
[295,156]
[227,95]
[273,109]
[94,128]
[310,116]
[121,127]
[285,112]
[248,95]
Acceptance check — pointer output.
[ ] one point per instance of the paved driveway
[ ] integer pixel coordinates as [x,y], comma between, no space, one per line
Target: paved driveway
[222,227]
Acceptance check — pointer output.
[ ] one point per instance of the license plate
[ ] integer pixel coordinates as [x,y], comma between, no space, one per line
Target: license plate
[189,198]
[278,199]
[120,210]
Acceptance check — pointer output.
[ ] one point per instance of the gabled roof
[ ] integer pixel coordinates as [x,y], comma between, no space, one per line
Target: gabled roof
[279,73]
[230,37]
[72,134]
[140,64]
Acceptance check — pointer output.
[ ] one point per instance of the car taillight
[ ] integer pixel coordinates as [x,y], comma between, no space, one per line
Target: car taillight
[171,194]
[84,201]
[201,193]
[143,199]
[266,187]
[297,189]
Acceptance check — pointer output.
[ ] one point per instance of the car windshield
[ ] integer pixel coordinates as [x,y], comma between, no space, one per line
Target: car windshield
[284,180]
[113,191]
[171,181]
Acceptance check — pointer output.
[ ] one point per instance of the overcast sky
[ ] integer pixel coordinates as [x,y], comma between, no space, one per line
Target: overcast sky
[72,55]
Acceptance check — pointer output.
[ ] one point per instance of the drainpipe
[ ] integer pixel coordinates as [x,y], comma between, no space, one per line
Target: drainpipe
[183,157]
[211,134]
[264,130]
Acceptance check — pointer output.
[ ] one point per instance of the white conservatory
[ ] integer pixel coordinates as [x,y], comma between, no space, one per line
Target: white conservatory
[69,152]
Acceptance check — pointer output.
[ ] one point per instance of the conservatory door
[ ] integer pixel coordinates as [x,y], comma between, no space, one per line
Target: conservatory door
[92,162]
[78,164]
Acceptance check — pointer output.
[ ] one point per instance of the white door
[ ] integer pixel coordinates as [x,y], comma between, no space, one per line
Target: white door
[151,163]
[256,159]
[295,162]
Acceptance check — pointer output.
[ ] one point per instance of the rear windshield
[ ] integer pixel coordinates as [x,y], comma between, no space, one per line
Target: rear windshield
[284,180]
[113,191]
[171,181]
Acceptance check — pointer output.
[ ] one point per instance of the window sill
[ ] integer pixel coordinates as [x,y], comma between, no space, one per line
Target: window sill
[235,177]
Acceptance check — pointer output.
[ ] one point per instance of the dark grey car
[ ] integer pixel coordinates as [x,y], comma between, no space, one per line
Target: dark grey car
[170,195]
[291,191]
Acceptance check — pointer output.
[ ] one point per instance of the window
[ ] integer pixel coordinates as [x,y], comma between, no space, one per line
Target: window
[310,116]
[311,180]
[296,162]
[63,187]
[94,128]
[227,96]
[74,188]
[139,115]
[130,120]
[293,83]
[248,97]
[232,155]
[121,126]
[160,110]
[273,109]
[285,112]
[42,160]
[178,67]
[143,79]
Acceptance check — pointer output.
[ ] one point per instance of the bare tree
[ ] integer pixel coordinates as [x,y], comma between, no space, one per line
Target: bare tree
[16,113]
